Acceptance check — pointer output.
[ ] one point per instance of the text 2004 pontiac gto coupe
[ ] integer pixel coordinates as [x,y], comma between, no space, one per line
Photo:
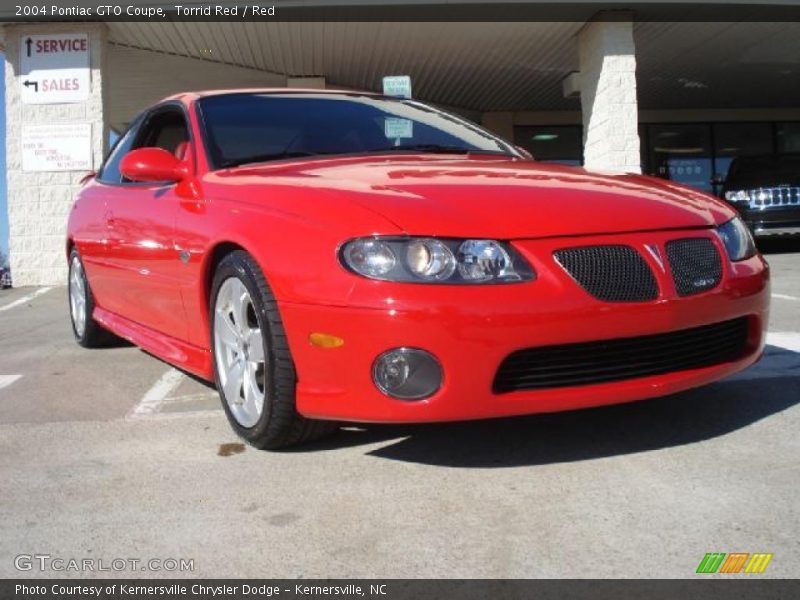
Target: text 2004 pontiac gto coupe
[327,256]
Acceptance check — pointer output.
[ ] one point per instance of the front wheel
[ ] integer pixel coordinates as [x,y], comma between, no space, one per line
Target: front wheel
[253,367]
[81,305]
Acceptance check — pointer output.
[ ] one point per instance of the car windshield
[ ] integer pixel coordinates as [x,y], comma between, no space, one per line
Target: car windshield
[252,128]
[764,170]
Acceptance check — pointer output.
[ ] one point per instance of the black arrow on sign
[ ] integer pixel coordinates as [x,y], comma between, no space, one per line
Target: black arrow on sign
[28,43]
[35,84]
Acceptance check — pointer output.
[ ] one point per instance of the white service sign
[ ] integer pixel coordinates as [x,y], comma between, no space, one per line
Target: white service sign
[54,69]
[57,147]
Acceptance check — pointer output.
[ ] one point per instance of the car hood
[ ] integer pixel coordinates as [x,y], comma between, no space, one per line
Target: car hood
[495,197]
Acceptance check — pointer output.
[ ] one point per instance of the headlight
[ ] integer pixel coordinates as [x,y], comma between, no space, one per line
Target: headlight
[433,260]
[738,197]
[371,258]
[737,239]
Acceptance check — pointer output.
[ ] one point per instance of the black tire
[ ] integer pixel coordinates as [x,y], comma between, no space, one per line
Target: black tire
[279,424]
[93,336]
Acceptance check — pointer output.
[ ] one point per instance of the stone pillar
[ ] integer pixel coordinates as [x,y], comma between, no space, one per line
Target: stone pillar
[608,96]
[39,202]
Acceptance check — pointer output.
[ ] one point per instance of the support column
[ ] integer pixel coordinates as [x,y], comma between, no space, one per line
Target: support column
[39,201]
[608,96]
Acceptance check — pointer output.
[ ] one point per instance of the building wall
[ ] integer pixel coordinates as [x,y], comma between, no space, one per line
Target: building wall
[39,202]
[140,78]
[504,122]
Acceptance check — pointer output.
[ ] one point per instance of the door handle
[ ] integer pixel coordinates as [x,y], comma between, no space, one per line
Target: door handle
[109,218]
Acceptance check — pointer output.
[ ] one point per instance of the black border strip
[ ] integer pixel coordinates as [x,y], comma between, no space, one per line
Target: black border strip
[421,10]
[752,587]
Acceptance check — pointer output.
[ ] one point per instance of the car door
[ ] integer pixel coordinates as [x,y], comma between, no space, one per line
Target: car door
[88,221]
[140,221]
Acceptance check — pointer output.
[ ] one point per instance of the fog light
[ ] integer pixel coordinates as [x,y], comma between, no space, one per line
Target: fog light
[407,373]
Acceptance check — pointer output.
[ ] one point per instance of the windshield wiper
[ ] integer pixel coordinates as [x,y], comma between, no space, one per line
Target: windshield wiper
[259,158]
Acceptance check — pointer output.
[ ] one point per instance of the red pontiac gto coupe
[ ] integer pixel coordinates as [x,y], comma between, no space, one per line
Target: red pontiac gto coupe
[330,256]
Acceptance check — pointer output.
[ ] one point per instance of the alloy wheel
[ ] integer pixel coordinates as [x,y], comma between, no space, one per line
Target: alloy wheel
[239,352]
[77,296]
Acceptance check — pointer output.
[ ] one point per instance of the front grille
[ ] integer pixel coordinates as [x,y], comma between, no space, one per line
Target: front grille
[625,358]
[763,198]
[696,265]
[611,273]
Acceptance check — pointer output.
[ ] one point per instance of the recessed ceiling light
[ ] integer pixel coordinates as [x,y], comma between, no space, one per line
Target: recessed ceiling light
[545,137]
[678,150]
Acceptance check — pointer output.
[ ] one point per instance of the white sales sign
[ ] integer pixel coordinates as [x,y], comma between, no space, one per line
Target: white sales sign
[57,147]
[54,69]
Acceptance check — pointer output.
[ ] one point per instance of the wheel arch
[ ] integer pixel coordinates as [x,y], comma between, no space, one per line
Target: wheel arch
[215,255]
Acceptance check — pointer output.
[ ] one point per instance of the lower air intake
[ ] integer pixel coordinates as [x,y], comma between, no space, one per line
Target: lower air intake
[625,358]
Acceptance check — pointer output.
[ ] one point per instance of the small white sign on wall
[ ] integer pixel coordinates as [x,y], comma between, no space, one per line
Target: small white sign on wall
[57,147]
[398,86]
[54,69]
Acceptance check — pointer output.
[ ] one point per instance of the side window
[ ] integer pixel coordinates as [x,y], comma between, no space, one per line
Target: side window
[110,171]
[165,129]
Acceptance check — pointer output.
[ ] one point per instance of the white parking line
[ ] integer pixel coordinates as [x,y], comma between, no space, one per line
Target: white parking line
[7,380]
[151,402]
[788,340]
[777,362]
[26,298]
[786,297]
[185,414]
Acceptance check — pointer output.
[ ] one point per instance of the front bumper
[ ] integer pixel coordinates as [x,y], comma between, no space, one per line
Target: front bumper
[773,221]
[472,329]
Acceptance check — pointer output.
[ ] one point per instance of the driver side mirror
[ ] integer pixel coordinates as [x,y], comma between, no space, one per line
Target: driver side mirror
[152,165]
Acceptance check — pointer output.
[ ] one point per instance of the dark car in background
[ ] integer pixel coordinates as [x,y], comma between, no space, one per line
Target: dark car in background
[766,191]
[5,278]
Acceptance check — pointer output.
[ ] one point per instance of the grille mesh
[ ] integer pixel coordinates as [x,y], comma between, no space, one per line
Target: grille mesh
[625,358]
[610,273]
[696,265]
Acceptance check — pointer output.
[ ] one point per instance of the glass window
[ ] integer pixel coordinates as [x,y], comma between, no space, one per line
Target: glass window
[558,143]
[763,171]
[166,129]
[245,128]
[109,173]
[739,139]
[682,153]
[788,138]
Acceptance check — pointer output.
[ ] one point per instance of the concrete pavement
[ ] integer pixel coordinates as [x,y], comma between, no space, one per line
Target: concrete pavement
[112,454]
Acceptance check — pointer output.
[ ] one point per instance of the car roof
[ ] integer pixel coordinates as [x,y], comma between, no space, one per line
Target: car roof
[195,95]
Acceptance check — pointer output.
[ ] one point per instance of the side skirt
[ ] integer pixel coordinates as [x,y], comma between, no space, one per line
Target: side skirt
[176,352]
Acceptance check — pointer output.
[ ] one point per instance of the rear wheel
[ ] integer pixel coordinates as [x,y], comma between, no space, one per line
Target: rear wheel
[253,367]
[81,305]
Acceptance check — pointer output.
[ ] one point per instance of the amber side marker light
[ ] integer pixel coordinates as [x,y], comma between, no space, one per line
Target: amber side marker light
[325,340]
